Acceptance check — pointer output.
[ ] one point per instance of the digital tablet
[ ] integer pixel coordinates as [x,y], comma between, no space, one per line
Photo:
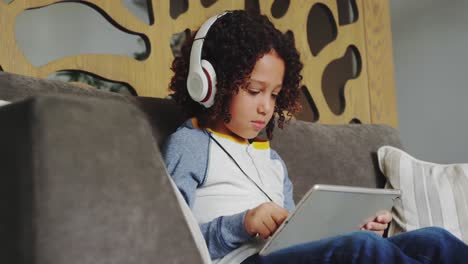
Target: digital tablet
[330,210]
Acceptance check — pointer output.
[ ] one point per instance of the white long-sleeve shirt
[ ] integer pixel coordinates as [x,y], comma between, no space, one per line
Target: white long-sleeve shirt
[217,191]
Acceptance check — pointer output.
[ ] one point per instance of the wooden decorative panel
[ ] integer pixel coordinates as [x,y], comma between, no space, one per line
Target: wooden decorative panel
[345,46]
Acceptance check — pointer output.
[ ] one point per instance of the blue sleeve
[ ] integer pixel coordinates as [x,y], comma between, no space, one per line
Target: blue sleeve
[224,234]
[186,155]
[186,166]
[288,194]
[287,184]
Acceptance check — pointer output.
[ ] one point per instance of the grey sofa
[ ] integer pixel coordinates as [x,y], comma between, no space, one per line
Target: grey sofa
[83,180]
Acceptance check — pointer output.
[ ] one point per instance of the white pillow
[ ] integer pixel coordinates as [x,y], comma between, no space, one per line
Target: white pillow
[432,194]
[3,102]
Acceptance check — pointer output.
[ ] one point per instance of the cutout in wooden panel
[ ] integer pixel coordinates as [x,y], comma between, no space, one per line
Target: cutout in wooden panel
[252,6]
[142,9]
[150,9]
[1,69]
[355,121]
[321,28]
[66,29]
[90,79]
[177,8]
[335,76]
[143,55]
[279,8]
[309,111]
[208,3]
[177,40]
[348,12]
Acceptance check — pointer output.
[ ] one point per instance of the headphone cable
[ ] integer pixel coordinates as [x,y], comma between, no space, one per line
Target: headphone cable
[232,158]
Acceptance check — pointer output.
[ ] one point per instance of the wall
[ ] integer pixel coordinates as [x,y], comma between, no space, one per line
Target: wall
[366,95]
[430,44]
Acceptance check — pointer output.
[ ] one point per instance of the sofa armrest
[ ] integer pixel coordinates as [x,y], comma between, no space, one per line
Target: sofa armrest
[333,154]
[83,182]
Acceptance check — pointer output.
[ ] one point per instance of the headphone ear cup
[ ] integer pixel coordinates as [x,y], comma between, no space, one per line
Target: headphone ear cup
[197,84]
[210,74]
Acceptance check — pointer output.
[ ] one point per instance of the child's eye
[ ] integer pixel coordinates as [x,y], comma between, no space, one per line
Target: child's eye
[253,92]
[274,95]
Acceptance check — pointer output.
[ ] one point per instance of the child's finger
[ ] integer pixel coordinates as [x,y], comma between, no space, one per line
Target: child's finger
[279,216]
[375,226]
[263,232]
[270,224]
[384,218]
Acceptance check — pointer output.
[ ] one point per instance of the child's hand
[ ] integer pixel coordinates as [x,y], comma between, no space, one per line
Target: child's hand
[379,223]
[264,219]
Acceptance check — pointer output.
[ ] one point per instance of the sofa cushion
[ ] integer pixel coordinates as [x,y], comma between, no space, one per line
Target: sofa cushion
[332,154]
[432,194]
[83,182]
[164,115]
[16,87]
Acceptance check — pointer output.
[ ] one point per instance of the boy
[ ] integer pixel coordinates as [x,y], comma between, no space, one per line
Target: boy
[237,187]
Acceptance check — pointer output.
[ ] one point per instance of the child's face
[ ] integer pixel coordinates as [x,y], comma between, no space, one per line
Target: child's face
[252,108]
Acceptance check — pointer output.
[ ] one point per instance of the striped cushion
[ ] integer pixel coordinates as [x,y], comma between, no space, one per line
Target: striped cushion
[432,194]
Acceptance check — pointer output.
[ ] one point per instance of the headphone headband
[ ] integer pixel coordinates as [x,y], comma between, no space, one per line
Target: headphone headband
[201,80]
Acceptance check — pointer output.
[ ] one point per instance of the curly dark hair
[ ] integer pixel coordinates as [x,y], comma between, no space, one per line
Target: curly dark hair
[233,45]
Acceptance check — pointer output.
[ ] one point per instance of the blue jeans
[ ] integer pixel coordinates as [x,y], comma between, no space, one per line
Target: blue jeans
[426,245]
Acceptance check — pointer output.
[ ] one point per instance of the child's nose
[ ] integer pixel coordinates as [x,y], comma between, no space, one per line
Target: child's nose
[265,105]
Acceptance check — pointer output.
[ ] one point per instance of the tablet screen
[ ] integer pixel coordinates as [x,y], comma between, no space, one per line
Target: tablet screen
[330,210]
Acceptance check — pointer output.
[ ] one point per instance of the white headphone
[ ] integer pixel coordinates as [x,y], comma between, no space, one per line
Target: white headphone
[201,80]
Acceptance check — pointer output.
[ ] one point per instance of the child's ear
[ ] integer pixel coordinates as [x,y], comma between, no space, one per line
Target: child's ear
[201,80]
[201,83]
